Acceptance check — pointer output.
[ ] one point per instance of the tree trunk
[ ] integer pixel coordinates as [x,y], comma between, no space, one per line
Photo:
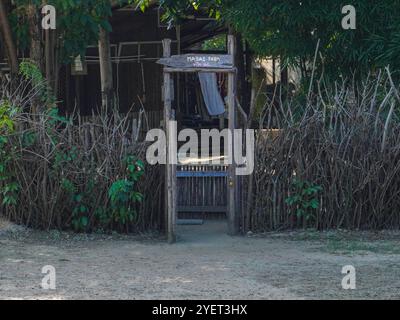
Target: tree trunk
[6,32]
[51,61]
[247,94]
[36,54]
[241,71]
[48,56]
[106,72]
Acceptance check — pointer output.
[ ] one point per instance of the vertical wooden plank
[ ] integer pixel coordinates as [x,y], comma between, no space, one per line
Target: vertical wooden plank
[170,176]
[106,72]
[233,225]
[178,76]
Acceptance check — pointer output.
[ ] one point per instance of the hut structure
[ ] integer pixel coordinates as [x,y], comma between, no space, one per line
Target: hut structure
[143,85]
[138,41]
[136,46]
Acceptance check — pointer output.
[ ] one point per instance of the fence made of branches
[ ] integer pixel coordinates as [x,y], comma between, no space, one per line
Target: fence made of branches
[332,161]
[73,173]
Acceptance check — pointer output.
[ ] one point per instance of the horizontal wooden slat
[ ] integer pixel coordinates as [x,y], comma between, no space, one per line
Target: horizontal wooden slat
[190,222]
[202,209]
[201,174]
[194,70]
[198,61]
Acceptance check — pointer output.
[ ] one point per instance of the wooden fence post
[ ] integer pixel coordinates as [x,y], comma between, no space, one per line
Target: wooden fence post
[233,219]
[170,176]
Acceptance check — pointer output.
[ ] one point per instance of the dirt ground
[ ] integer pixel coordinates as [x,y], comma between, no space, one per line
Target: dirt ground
[204,264]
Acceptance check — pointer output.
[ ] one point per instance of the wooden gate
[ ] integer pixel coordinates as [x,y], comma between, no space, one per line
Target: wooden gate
[194,63]
[202,189]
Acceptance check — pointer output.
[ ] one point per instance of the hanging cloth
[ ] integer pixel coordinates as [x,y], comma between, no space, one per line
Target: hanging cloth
[212,98]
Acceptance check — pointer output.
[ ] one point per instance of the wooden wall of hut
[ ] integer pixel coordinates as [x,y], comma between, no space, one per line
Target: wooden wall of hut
[136,44]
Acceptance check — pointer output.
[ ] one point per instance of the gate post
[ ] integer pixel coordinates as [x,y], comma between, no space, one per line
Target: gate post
[233,221]
[170,174]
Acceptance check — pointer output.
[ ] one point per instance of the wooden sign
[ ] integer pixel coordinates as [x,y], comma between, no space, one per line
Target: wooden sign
[198,61]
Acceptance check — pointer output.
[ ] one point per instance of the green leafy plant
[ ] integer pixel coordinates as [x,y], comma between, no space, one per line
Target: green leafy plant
[304,199]
[80,219]
[30,71]
[123,194]
[81,209]
[8,187]
[55,118]
[65,156]
[6,114]
[216,43]
[101,214]
[28,139]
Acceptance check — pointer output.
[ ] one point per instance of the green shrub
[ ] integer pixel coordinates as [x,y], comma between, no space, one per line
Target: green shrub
[304,199]
[8,186]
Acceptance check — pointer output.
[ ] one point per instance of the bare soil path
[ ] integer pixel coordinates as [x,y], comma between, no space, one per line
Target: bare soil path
[204,264]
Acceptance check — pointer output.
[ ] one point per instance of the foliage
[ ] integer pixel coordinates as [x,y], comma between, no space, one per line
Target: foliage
[8,187]
[6,117]
[120,209]
[118,212]
[304,199]
[78,23]
[178,10]
[80,220]
[31,72]
[286,29]
[291,29]
[216,43]
[123,194]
